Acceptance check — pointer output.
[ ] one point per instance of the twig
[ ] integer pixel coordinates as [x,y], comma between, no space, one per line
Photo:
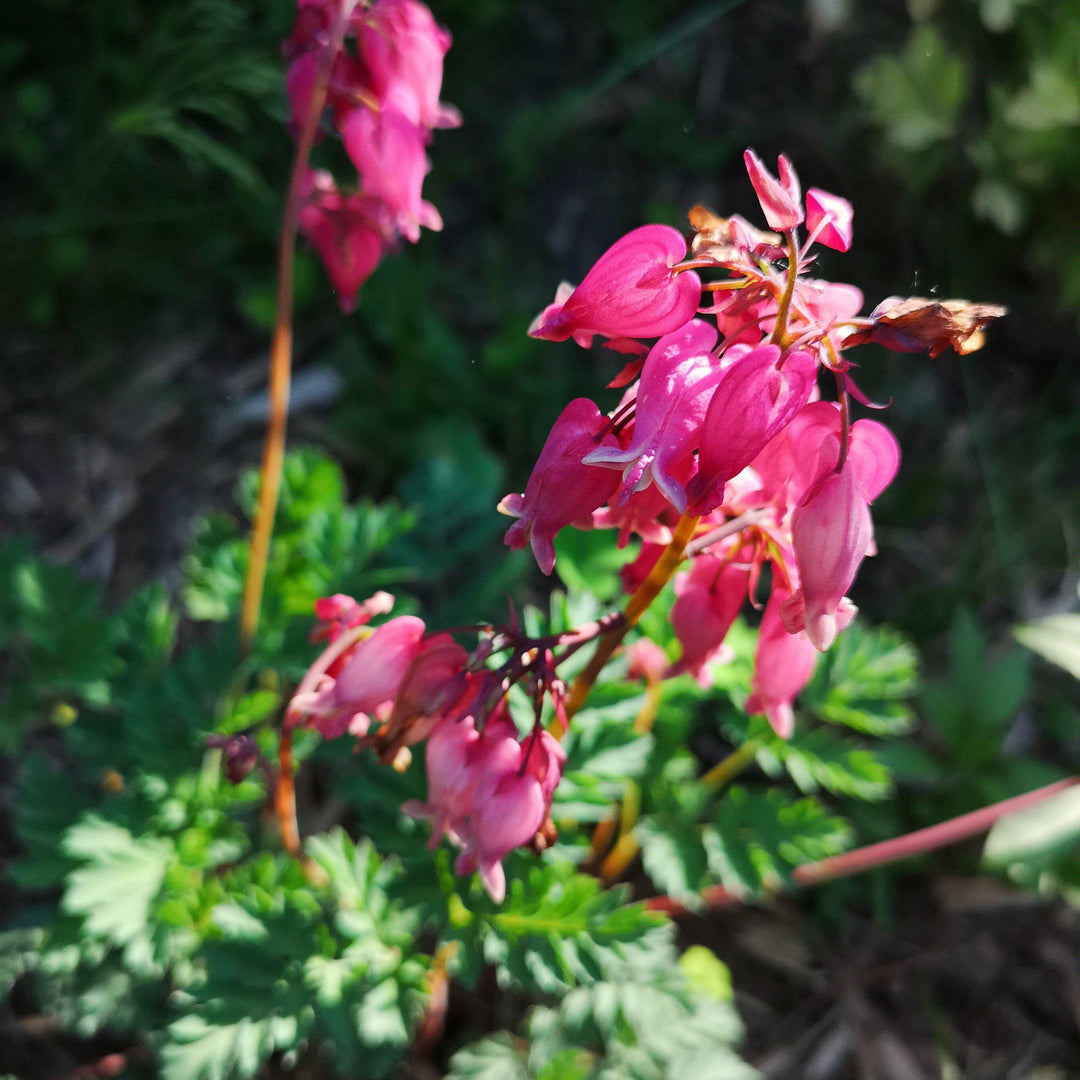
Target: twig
[872,856]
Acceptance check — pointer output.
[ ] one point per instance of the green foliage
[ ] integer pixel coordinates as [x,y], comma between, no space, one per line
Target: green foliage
[136,129]
[651,1020]
[981,693]
[1015,116]
[556,929]
[322,545]
[865,682]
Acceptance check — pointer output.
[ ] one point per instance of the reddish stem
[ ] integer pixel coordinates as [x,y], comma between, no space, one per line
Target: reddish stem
[887,851]
[273,455]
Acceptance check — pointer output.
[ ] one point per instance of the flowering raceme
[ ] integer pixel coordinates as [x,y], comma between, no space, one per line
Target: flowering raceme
[383,101]
[724,450]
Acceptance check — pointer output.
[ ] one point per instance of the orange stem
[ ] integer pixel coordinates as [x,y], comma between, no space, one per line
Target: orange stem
[273,455]
[285,796]
[647,592]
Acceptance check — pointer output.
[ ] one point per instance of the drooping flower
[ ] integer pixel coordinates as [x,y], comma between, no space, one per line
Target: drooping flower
[707,599]
[755,399]
[831,529]
[400,43]
[348,231]
[364,686]
[449,761]
[388,151]
[631,291]
[488,793]
[831,533]
[783,664]
[677,381]
[561,489]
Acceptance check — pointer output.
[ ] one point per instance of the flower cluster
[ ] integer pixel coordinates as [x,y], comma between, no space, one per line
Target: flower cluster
[721,451]
[489,789]
[382,98]
[721,419]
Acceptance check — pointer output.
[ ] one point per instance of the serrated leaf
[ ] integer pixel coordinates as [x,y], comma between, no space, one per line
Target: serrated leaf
[555,929]
[818,757]
[119,878]
[196,1049]
[865,682]
[493,1058]
[758,837]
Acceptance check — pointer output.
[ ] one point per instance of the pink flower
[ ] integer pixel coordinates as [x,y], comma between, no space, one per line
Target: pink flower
[561,490]
[755,399]
[387,149]
[707,599]
[348,232]
[783,664]
[449,761]
[401,43]
[488,793]
[831,533]
[365,684]
[509,805]
[679,377]
[828,219]
[436,681]
[630,292]
[781,199]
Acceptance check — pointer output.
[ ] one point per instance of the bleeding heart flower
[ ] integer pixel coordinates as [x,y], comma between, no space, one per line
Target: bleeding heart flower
[631,291]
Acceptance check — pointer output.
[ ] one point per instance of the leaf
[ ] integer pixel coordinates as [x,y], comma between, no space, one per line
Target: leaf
[118,881]
[818,758]
[494,1058]
[555,929]
[916,96]
[1055,638]
[865,682]
[758,837]
[1028,841]
[197,1049]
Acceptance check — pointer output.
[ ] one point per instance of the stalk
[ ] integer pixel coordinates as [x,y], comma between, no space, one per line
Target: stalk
[872,856]
[647,592]
[273,455]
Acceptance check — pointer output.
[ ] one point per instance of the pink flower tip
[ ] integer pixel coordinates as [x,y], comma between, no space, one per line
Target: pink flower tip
[780,198]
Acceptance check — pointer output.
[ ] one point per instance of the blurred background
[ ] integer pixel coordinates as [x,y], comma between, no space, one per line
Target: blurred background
[143,159]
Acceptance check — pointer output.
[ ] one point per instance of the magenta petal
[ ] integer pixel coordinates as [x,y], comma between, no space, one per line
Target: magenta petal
[783,664]
[378,664]
[874,454]
[707,599]
[562,489]
[831,533]
[828,218]
[630,292]
[753,401]
[780,198]
[677,381]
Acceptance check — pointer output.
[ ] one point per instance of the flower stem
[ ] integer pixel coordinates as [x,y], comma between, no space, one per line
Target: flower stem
[872,856]
[647,592]
[285,796]
[729,767]
[779,334]
[273,455]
